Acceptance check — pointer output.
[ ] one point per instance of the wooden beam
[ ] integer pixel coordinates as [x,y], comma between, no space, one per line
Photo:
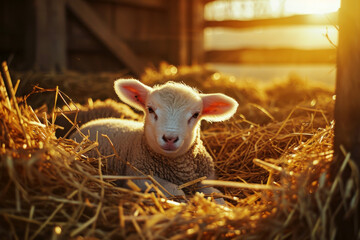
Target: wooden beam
[50,35]
[42,43]
[308,19]
[177,28]
[208,1]
[347,115]
[196,32]
[57,34]
[119,48]
[272,56]
[160,4]
[347,106]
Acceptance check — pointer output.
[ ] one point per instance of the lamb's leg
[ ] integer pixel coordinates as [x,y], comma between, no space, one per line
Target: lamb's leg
[170,187]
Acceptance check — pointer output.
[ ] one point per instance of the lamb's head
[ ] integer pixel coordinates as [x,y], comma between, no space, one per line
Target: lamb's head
[173,112]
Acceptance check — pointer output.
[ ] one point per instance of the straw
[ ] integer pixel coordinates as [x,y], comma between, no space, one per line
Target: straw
[272,160]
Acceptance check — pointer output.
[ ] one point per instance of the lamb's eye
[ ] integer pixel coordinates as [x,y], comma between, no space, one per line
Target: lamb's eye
[151,110]
[195,115]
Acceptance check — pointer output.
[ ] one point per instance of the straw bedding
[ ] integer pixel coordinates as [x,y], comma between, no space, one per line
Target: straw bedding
[271,159]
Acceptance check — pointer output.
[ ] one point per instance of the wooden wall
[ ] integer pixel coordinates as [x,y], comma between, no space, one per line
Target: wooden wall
[13,28]
[100,35]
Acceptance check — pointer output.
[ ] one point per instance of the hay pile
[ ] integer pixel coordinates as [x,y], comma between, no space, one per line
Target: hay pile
[272,168]
[83,86]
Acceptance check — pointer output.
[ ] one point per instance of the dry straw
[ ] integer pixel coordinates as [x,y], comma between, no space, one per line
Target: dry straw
[274,178]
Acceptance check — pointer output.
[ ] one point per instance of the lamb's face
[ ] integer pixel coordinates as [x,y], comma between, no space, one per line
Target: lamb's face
[173,112]
[172,119]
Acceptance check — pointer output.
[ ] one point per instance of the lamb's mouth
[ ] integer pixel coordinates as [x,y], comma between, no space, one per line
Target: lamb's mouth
[169,148]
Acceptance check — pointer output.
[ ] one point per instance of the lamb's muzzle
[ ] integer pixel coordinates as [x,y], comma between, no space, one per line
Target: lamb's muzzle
[170,143]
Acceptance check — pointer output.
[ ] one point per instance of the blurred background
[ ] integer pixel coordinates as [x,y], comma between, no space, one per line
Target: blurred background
[273,38]
[248,39]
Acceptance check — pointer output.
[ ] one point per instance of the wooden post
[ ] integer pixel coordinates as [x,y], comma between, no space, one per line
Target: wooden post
[196,31]
[42,44]
[57,34]
[178,47]
[50,35]
[347,106]
[29,43]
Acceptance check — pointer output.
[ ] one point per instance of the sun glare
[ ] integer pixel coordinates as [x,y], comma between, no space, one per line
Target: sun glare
[311,6]
[250,9]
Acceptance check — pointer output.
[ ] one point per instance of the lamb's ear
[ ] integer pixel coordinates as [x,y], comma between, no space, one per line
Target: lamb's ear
[217,107]
[132,92]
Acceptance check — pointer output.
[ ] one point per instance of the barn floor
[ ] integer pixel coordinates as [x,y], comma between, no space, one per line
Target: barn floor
[274,156]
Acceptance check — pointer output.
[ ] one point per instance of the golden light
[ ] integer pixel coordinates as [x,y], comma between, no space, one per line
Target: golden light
[58,230]
[171,70]
[311,6]
[216,76]
[248,9]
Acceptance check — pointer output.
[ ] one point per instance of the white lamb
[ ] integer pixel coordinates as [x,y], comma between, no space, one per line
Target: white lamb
[167,144]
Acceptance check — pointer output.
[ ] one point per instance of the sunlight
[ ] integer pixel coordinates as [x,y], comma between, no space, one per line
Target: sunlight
[311,6]
[301,37]
[250,9]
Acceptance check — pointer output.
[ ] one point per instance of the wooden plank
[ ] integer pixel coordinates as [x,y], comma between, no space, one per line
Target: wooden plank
[105,10]
[123,16]
[178,46]
[271,56]
[79,37]
[29,45]
[57,34]
[347,106]
[94,62]
[42,43]
[347,118]
[50,35]
[160,4]
[196,32]
[140,23]
[12,27]
[208,1]
[308,19]
[156,48]
[92,21]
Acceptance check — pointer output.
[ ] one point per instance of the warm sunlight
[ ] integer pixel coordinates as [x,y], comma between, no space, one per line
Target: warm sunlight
[311,6]
[304,37]
[179,119]
[248,9]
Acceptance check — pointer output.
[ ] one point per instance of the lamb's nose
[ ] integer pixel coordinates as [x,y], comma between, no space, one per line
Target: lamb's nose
[170,139]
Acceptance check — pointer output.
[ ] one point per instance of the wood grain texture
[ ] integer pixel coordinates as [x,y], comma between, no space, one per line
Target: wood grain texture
[347,108]
[103,32]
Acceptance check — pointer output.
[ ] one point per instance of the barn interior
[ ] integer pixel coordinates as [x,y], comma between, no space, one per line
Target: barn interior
[286,163]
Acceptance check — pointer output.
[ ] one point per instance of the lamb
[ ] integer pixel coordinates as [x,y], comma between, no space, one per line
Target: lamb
[167,144]
[93,110]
